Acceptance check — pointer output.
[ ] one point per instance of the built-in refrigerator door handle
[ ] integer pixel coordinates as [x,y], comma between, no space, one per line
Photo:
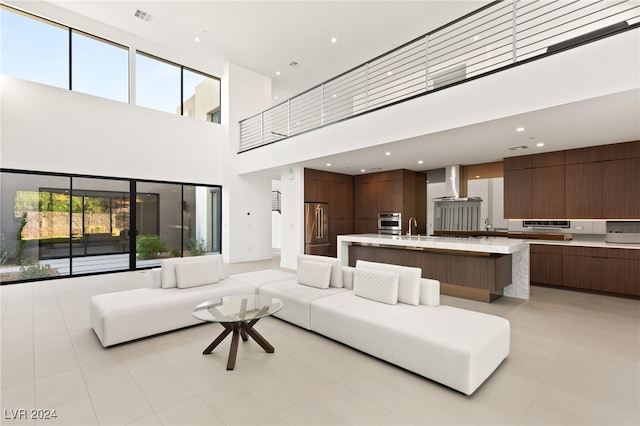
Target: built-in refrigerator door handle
[319,230]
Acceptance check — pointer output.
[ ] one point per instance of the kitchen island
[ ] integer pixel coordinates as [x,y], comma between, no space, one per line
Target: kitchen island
[478,268]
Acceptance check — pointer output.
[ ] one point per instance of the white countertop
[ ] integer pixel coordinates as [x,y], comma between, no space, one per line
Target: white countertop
[500,245]
[585,243]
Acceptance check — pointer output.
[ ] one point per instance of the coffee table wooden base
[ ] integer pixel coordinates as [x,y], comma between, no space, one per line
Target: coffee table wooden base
[241,329]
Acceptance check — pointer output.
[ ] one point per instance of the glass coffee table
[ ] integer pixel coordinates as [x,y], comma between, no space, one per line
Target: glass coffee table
[237,314]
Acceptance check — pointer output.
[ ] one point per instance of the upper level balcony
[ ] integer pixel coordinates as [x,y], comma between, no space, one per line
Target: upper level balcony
[495,38]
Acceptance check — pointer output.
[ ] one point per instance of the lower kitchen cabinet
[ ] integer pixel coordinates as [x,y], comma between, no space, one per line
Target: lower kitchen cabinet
[546,264]
[582,267]
[607,270]
[622,272]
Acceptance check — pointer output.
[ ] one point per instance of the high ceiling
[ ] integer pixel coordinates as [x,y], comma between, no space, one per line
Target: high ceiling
[266,36]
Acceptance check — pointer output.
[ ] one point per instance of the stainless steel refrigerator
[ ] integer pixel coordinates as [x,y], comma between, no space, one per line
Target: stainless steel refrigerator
[316,229]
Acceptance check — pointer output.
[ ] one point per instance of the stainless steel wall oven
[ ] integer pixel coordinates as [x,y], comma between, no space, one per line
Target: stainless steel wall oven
[390,223]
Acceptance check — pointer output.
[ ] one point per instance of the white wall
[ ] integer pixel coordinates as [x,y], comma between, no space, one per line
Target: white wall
[246,200]
[292,187]
[45,128]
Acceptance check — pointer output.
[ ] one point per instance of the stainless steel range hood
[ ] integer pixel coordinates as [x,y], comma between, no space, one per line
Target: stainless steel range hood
[452,186]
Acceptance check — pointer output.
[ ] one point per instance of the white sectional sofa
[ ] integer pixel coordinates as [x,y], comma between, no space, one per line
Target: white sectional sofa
[387,311]
[132,314]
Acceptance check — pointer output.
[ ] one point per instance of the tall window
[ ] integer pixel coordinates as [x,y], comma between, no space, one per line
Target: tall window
[170,87]
[200,96]
[157,84]
[33,49]
[57,225]
[99,67]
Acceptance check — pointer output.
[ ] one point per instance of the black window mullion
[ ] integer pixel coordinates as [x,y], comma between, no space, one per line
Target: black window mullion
[71,227]
[181,90]
[132,224]
[70,59]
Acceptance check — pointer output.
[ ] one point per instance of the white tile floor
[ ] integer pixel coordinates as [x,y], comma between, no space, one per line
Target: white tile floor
[575,360]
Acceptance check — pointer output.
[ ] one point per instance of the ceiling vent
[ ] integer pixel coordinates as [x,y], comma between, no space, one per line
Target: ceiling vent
[143,15]
[518,148]
[294,64]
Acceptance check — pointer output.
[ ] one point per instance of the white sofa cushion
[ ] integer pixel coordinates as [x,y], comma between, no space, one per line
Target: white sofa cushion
[194,274]
[408,279]
[336,267]
[168,267]
[296,299]
[314,274]
[381,286]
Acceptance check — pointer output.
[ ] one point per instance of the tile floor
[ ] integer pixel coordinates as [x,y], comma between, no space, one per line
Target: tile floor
[575,360]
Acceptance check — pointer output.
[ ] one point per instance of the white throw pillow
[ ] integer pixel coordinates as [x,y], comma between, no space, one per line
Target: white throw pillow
[408,282]
[195,274]
[381,286]
[168,268]
[314,274]
[336,267]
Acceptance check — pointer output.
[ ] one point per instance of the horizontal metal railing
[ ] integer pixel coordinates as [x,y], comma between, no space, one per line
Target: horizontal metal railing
[494,37]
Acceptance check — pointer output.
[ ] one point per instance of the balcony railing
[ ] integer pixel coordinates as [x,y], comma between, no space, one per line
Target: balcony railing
[495,37]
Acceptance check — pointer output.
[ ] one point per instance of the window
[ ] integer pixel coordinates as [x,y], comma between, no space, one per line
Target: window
[99,67]
[34,49]
[157,84]
[200,96]
[59,225]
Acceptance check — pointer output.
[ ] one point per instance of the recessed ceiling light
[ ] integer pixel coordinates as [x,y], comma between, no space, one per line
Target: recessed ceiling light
[387,153]
[334,40]
[197,39]
[420,162]
[275,97]
[328,164]
[520,129]
[476,38]
[362,170]
[477,176]
[389,72]
[540,144]
[277,72]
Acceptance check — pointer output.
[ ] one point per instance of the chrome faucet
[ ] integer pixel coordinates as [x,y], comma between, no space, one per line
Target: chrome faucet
[415,223]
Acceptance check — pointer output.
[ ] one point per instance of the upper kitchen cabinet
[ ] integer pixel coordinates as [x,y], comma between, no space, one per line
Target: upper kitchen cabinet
[600,182]
[584,183]
[531,187]
[621,180]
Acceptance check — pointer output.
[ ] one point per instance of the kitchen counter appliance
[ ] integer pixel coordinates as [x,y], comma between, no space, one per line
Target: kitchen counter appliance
[390,223]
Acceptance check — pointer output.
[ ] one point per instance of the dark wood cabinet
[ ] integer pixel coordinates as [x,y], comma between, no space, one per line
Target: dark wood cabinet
[546,264]
[398,191]
[337,190]
[365,196]
[584,190]
[621,188]
[518,199]
[600,182]
[390,195]
[582,267]
[548,192]
[621,274]
[607,270]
